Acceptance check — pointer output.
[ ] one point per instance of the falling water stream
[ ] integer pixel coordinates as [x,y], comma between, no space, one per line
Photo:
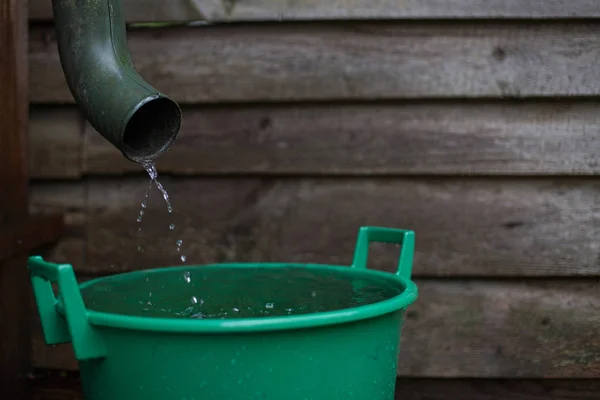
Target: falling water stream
[150,167]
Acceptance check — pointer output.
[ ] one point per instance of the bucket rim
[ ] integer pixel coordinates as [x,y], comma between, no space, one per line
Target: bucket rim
[262,324]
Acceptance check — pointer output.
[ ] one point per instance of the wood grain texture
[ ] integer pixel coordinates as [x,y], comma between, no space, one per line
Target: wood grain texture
[15,329]
[66,385]
[497,389]
[13,109]
[516,329]
[441,138]
[70,200]
[254,10]
[464,227]
[15,334]
[55,143]
[349,61]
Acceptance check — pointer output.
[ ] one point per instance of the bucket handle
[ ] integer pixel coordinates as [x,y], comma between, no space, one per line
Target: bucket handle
[401,237]
[74,326]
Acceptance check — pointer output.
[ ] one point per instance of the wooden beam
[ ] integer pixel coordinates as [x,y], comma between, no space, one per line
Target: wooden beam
[427,138]
[15,294]
[464,227]
[350,61]
[277,10]
[13,108]
[373,139]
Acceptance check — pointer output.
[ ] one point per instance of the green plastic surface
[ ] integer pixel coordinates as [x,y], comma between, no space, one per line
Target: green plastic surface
[234,331]
[135,117]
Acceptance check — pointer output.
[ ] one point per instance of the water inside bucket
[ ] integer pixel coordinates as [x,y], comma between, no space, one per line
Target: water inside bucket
[218,292]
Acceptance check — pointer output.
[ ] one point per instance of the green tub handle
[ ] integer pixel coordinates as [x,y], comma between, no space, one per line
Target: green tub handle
[401,237]
[74,326]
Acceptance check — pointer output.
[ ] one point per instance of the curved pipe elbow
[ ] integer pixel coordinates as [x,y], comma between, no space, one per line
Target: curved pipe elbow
[135,117]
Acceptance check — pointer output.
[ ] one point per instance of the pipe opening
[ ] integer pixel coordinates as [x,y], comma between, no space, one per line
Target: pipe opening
[151,129]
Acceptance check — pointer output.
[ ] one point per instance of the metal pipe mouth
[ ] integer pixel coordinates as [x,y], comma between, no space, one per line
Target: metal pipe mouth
[151,129]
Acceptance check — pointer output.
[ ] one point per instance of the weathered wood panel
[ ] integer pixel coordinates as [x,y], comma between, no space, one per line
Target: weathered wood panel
[500,389]
[65,385]
[13,120]
[376,139]
[325,61]
[524,329]
[441,138]
[472,227]
[69,200]
[253,10]
[15,334]
[55,143]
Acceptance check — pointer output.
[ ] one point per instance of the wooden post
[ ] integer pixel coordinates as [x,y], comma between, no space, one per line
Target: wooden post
[18,231]
[14,293]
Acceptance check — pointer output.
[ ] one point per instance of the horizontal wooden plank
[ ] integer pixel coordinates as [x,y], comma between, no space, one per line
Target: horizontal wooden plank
[375,139]
[464,227]
[338,139]
[66,385]
[526,329]
[69,201]
[253,10]
[350,61]
[55,143]
[497,389]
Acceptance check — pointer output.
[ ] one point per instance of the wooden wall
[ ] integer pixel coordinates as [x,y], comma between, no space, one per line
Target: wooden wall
[473,122]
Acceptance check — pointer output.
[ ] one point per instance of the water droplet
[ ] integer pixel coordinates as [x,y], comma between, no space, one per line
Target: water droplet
[183,258]
[179,243]
[236,309]
[313,294]
[187,277]
[150,168]
[194,300]
[269,305]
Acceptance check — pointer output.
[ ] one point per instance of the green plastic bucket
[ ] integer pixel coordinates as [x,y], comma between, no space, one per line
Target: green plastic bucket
[234,331]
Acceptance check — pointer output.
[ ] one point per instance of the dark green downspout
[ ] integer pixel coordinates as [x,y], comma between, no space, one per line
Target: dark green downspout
[135,117]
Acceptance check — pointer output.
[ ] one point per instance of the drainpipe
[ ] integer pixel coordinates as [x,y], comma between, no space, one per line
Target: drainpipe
[136,118]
